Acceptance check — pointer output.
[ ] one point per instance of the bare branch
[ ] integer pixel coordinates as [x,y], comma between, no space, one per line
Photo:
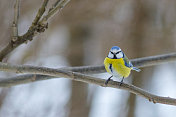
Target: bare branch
[27,36]
[40,12]
[57,6]
[15,21]
[78,77]
[15,35]
[22,79]
[38,25]
[139,62]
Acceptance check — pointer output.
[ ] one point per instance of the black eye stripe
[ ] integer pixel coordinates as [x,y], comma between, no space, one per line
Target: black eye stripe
[118,52]
[115,53]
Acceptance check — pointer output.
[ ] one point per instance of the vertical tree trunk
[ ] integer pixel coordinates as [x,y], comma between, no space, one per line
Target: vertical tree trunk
[136,39]
[78,99]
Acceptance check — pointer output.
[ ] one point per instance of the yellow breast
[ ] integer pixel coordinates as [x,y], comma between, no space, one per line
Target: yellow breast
[118,67]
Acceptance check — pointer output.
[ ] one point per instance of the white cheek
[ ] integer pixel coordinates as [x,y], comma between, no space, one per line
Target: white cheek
[110,55]
[119,55]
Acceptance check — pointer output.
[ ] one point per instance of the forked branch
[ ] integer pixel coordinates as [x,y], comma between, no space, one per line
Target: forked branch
[38,25]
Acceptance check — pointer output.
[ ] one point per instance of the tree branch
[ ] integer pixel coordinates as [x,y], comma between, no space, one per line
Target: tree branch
[57,6]
[38,25]
[139,62]
[15,36]
[78,77]
[15,21]
[40,12]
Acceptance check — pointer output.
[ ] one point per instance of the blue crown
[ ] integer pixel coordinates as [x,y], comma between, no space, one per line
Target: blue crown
[115,48]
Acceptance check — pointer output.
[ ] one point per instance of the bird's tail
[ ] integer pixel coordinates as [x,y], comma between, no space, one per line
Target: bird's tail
[136,69]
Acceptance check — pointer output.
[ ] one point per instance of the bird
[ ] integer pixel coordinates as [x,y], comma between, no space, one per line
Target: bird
[118,65]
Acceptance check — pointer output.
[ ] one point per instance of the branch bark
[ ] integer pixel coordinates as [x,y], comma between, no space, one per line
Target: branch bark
[78,77]
[15,35]
[40,12]
[15,21]
[139,62]
[38,26]
[57,6]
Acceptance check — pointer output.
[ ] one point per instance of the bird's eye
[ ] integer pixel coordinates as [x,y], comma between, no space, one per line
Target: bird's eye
[111,52]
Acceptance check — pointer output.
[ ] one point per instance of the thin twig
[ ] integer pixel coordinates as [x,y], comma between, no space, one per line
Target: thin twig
[58,5]
[15,21]
[54,5]
[80,77]
[40,12]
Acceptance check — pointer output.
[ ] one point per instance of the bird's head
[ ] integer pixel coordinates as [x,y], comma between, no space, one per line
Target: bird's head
[115,53]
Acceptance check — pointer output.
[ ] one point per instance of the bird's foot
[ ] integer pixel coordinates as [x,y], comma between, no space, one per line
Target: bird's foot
[109,79]
[121,82]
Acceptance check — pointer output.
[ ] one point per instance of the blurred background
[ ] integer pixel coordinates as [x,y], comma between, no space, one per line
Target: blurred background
[82,34]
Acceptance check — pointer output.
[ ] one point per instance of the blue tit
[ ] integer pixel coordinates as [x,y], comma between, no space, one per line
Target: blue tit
[118,65]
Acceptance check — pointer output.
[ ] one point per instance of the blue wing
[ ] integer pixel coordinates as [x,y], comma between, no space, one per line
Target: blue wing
[136,69]
[129,64]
